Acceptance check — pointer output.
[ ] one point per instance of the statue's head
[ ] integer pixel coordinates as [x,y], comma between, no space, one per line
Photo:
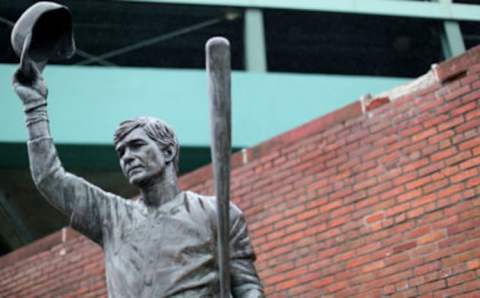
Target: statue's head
[146,146]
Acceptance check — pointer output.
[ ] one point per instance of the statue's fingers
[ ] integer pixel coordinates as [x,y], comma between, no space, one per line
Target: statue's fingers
[33,78]
[21,89]
[23,77]
[26,93]
[40,85]
[28,67]
[15,80]
[19,76]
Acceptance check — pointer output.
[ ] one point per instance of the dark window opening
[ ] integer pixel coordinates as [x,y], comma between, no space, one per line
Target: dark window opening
[467,1]
[4,247]
[351,44]
[470,33]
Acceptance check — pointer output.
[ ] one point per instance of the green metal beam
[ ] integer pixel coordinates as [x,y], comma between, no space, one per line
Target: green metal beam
[94,157]
[401,8]
[452,41]
[454,38]
[86,103]
[255,49]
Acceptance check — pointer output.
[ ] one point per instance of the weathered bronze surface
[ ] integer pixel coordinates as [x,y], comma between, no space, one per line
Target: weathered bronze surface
[218,69]
[162,245]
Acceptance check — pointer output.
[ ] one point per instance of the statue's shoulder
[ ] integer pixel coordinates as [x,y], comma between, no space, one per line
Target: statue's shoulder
[191,195]
[201,202]
[209,203]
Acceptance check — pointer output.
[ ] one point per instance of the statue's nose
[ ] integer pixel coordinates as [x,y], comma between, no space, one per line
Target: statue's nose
[127,156]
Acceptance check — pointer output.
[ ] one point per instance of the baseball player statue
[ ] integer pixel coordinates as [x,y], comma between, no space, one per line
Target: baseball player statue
[165,243]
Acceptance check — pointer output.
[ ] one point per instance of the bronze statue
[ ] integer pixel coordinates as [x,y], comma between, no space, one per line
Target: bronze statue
[162,245]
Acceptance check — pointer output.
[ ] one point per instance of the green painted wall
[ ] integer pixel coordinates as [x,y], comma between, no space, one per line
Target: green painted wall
[87,103]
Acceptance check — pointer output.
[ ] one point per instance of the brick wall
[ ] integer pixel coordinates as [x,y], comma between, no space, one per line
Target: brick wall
[63,264]
[380,198]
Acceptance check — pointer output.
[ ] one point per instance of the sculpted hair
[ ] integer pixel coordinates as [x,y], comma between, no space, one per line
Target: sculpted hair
[156,129]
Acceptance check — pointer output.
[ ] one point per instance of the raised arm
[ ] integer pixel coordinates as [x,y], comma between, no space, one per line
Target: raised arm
[86,205]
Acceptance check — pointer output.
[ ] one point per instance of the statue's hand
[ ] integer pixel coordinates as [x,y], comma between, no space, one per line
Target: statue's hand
[29,85]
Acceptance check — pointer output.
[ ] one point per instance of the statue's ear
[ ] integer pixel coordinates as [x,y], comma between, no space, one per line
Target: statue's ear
[169,152]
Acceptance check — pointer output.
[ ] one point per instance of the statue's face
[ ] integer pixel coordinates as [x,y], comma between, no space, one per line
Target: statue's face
[141,159]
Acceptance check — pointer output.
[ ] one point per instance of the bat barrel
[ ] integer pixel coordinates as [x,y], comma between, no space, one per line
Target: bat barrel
[219,82]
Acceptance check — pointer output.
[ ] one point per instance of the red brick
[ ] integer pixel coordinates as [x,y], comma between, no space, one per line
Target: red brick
[357,262]
[338,221]
[430,287]
[469,144]
[421,270]
[425,199]
[447,221]
[404,247]
[337,286]
[449,70]
[473,264]
[458,158]
[411,194]
[373,266]
[450,190]
[462,227]
[443,154]
[424,134]
[463,109]
[308,214]
[433,121]
[405,178]
[398,209]
[444,135]
[416,165]
[475,95]
[377,102]
[331,206]
[450,170]
[461,278]
[451,123]
[375,217]
[473,114]
[469,126]
[323,282]
[476,150]
[473,286]
[431,168]
[418,232]
[473,162]
[470,78]
[364,184]
[464,175]
[432,237]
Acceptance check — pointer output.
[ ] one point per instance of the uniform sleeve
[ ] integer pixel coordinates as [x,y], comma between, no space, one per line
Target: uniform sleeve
[244,277]
[85,205]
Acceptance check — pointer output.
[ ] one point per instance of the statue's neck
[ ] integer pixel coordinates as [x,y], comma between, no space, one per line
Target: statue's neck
[160,190]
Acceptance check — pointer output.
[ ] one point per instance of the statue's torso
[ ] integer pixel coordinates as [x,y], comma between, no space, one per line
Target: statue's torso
[163,252]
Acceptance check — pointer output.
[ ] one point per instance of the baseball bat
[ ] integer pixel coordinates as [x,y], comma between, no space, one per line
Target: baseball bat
[218,70]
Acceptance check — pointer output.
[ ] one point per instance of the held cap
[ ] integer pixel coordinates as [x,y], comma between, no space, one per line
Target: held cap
[47,27]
